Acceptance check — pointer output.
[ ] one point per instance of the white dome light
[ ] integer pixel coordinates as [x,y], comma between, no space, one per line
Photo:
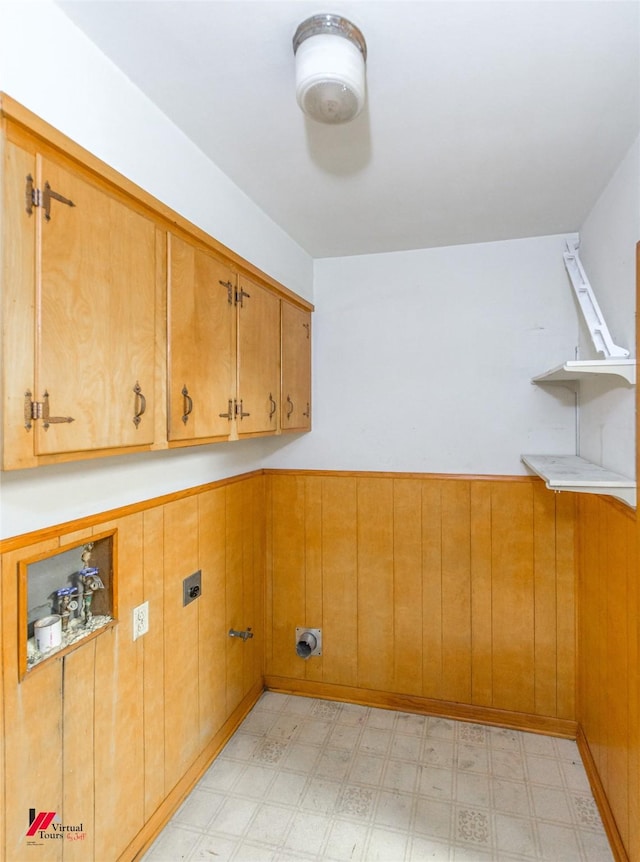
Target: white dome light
[330,59]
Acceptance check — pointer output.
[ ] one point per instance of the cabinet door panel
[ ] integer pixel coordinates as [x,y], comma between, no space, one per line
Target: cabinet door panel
[201,343]
[96,326]
[258,358]
[296,368]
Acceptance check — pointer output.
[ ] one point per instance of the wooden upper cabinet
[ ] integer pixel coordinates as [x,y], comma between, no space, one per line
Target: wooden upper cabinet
[80,285]
[296,368]
[258,358]
[96,314]
[201,327]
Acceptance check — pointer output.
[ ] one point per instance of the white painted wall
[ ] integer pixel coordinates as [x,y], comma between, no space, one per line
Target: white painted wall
[423,360]
[608,243]
[48,65]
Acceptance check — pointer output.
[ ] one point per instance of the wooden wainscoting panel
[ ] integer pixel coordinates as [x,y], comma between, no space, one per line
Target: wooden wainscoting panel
[33,724]
[375,613]
[431,587]
[314,605]
[212,616]
[253,551]
[545,602]
[608,639]
[80,751]
[180,640]
[566,534]
[513,597]
[407,586]
[118,718]
[633,680]
[152,645]
[244,588]
[456,592]
[589,711]
[457,589]
[340,580]
[288,572]
[481,594]
[616,659]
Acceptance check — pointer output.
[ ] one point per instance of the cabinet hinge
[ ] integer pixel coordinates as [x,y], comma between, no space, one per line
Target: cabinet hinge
[35,197]
[240,295]
[240,413]
[34,410]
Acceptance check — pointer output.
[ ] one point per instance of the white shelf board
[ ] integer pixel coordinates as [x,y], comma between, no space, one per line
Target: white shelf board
[572,473]
[580,369]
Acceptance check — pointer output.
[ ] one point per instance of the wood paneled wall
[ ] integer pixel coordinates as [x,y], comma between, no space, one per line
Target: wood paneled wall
[448,590]
[451,588]
[105,735]
[609,667]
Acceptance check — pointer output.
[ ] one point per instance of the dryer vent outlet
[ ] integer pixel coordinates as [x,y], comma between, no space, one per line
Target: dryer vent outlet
[308,642]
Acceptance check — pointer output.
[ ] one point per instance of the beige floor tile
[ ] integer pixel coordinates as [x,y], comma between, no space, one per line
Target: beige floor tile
[309,780]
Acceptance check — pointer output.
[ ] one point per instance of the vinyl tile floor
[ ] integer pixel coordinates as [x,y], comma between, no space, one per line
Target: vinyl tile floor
[307,779]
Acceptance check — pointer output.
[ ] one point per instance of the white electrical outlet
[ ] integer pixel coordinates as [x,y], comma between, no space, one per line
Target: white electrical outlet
[140,620]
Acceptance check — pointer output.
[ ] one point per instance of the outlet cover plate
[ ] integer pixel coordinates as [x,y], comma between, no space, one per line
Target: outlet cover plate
[140,620]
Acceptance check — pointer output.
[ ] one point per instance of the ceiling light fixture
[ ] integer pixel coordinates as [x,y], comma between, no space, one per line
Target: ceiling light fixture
[330,59]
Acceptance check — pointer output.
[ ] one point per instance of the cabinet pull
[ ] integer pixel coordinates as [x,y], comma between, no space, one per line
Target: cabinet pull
[239,411]
[307,412]
[187,404]
[290,407]
[229,414]
[307,327]
[272,406]
[140,405]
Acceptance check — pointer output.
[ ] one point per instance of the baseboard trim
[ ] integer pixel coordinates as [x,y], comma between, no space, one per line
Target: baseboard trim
[161,816]
[424,705]
[608,820]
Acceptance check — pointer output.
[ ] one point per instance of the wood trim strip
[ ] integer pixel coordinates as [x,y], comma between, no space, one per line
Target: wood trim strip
[25,539]
[608,820]
[425,706]
[159,819]
[14,112]
[379,474]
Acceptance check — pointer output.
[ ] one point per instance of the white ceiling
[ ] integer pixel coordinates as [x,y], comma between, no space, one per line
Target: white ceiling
[484,120]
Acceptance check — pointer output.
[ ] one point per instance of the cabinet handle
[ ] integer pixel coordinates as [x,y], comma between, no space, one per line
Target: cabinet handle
[272,406]
[290,407]
[308,328]
[239,411]
[140,405]
[229,414]
[307,413]
[187,405]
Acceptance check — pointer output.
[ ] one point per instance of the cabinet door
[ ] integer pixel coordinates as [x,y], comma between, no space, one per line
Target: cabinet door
[201,343]
[296,368]
[258,358]
[95,318]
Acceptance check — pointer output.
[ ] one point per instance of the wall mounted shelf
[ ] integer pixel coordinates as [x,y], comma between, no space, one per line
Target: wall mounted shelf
[572,473]
[576,370]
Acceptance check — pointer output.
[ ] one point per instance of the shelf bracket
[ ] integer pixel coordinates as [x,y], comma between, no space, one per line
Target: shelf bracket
[591,312]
